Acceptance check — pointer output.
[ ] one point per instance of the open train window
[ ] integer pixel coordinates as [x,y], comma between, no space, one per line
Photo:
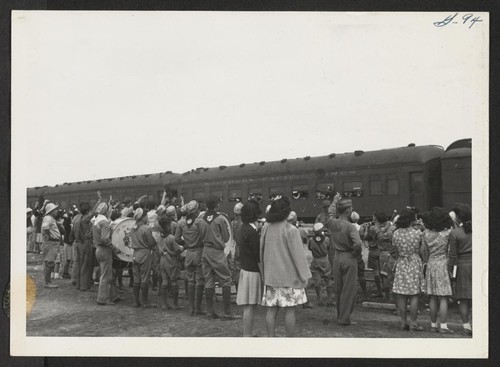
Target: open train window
[235,195]
[255,193]
[353,189]
[217,192]
[393,187]
[375,187]
[275,191]
[199,196]
[300,192]
[325,191]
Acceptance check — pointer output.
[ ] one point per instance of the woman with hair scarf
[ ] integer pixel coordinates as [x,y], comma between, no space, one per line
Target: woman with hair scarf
[284,266]
[461,258]
[438,225]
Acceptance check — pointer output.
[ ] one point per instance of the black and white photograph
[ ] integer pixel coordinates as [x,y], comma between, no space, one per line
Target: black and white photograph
[253,184]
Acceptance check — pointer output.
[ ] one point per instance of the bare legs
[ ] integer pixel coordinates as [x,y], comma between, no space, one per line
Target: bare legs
[464,310]
[442,303]
[271,314]
[248,316]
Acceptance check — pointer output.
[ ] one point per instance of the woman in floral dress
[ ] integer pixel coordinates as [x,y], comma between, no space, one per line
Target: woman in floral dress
[438,225]
[409,276]
[284,266]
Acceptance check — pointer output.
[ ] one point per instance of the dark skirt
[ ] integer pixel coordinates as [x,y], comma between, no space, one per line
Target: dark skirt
[464,278]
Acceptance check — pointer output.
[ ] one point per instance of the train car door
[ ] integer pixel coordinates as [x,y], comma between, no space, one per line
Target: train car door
[417,189]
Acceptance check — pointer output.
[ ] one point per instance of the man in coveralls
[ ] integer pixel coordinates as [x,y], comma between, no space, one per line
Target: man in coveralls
[215,234]
[187,234]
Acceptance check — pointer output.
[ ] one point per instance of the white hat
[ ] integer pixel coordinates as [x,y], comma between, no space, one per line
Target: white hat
[170,211]
[292,216]
[160,209]
[237,208]
[355,217]
[29,210]
[317,227]
[50,208]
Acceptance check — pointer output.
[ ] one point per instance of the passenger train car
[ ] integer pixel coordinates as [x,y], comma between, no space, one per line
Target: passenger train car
[388,179]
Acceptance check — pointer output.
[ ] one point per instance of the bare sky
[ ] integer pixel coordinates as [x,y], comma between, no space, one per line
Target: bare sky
[102,95]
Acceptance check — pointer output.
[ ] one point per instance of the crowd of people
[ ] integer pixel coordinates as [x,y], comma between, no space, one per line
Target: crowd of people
[267,256]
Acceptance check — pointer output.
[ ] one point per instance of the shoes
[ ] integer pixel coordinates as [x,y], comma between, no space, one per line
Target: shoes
[213,315]
[231,317]
[434,329]
[117,299]
[446,331]
[106,303]
[50,285]
[416,327]
[405,327]
[66,276]
[467,331]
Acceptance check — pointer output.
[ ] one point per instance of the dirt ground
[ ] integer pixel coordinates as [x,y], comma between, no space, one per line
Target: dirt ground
[67,312]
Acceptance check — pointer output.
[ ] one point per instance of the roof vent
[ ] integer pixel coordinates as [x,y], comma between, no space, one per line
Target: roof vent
[357,153]
[109,179]
[89,181]
[242,165]
[307,158]
[284,160]
[411,145]
[133,177]
[331,155]
[205,169]
[199,168]
[57,185]
[78,183]
[146,176]
[69,183]
[168,172]
[121,178]
[262,163]
[222,167]
[99,180]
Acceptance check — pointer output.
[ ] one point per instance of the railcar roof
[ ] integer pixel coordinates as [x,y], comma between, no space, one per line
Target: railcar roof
[345,161]
[457,153]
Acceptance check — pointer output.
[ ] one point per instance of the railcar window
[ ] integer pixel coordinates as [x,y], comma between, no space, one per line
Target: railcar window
[393,187]
[325,191]
[375,187]
[235,195]
[300,192]
[219,194]
[199,196]
[353,189]
[255,194]
[275,191]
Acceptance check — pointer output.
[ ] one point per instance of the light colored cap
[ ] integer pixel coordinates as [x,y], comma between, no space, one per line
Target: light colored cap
[355,217]
[268,208]
[102,208]
[29,210]
[170,211]
[160,209]
[138,214]
[317,227]
[237,208]
[192,206]
[292,216]
[50,208]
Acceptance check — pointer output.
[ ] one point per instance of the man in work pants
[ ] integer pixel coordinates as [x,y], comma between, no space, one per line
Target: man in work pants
[187,234]
[143,244]
[51,240]
[347,244]
[215,234]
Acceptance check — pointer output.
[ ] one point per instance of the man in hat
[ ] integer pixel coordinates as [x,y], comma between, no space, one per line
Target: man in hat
[346,242]
[82,234]
[30,230]
[361,262]
[51,240]
[215,234]
[234,258]
[320,266]
[323,216]
[188,235]
[143,244]
[101,238]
